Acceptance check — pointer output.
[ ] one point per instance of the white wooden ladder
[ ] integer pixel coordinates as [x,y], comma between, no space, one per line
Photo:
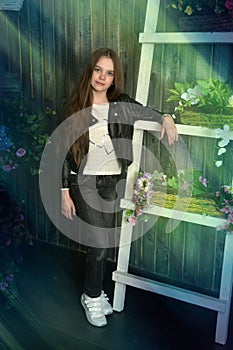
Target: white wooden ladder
[121,276]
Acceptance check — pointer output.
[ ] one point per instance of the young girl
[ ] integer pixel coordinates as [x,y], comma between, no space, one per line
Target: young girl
[96,161]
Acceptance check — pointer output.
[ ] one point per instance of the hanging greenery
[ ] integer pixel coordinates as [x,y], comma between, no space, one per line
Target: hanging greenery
[23,135]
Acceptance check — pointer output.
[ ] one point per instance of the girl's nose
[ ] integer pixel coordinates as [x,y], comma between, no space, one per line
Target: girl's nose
[102,76]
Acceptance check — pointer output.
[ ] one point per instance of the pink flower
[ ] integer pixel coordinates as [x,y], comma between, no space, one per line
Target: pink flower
[139,211]
[226,189]
[217,194]
[204,182]
[21,152]
[185,186]
[229,6]
[132,220]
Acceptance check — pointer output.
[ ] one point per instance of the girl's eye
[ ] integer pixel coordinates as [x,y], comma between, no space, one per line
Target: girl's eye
[97,70]
[111,74]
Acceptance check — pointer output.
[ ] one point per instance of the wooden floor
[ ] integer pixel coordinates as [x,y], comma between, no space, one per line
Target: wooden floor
[48,314]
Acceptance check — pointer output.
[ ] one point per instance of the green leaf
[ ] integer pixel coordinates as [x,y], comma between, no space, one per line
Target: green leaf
[129,212]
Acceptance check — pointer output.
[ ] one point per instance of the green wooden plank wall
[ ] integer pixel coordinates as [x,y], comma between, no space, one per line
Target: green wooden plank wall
[45,46]
[48,42]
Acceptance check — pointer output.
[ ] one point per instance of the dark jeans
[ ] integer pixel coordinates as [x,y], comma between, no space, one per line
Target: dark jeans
[94,271]
[95,201]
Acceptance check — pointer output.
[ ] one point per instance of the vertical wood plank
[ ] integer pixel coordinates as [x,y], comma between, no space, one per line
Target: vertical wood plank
[85,32]
[35,43]
[162,252]
[192,254]
[98,28]
[204,61]
[176,246]
[25,50]
[112,24]
[207,245]
[48,48]
[59,49]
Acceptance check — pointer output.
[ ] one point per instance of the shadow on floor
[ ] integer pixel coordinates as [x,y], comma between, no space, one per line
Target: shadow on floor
[48,314]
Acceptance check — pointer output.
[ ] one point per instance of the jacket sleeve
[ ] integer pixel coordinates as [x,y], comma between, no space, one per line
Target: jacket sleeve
[66,174]
[141,112]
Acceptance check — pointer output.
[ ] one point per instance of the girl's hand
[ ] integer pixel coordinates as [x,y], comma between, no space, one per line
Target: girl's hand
[169,128]
[67,205]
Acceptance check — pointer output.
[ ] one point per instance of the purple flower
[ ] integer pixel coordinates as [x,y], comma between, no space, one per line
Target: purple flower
[8,242]
[7,168]
[21,152]
[3,286]
[19,218]
[9,278]
[148,175]
[230,217]
[185,186]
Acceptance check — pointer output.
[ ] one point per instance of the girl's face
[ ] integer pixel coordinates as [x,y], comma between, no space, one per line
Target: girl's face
[103,75]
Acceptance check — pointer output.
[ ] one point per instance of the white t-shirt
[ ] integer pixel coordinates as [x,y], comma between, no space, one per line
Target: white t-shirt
[101,158]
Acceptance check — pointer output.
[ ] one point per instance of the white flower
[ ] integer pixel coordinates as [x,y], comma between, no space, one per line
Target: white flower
[192,95]
[221,151]
[218,163]
[218,133]
[223,142]
[185,96]
[226,127]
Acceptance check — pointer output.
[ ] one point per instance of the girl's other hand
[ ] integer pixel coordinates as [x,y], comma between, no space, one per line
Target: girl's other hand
[67,205]
[169,128]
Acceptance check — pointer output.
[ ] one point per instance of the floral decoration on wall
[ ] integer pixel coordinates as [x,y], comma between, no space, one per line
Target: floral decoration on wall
[206,103]
[192,189]
[23,135]
[193,7]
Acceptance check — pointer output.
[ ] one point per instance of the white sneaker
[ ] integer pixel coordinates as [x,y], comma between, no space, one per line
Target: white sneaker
[107,308]
[94,311]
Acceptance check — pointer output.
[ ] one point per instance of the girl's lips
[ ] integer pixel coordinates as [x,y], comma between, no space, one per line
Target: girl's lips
[99,83]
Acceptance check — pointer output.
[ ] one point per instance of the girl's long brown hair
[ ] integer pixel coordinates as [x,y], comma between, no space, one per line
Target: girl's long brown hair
[82,98]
